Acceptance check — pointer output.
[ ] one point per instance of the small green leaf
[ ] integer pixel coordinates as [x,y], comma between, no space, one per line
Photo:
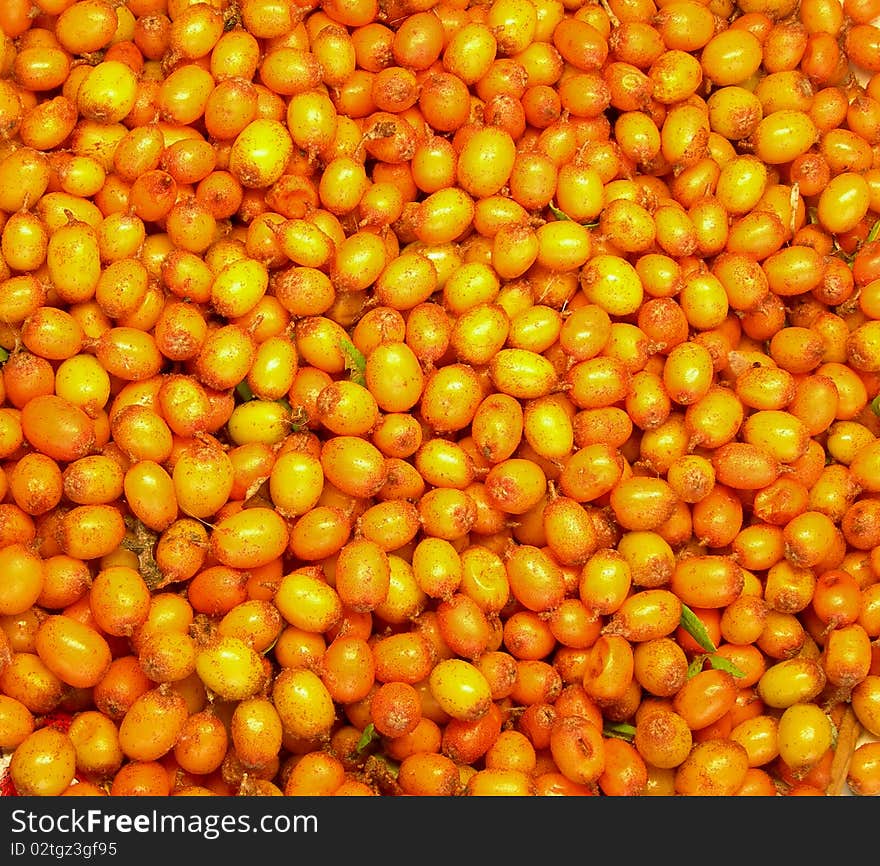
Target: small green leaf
[557,212]
[244,392]
[715,661]
[874,233]
[562,215]
[722,664]
[619,730]
[875,405]
[693,625]
[390,767]
[696,665]
[355,362]
[368,737]
[4,355]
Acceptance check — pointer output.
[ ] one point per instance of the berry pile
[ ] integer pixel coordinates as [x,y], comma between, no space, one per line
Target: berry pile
[440,397]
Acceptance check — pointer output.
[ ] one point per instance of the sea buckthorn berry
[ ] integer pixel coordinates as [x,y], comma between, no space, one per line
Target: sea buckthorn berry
[859,43]
[570,531]
[660,666]
[431,380]
[86,27]
[804,734]
[152,724]
[260,152]
[534,578]
[578,749]
[445,413]
[609,669]
[646,615]
[44,763]
[308,602]
[758,734]
[865,700]
[354,465]
[29,681]
[707,581]
[782,636]
[460,689]
[249,538]
[522,373]
[230,669]
[861,775]
[515,485]
[303,703]
[604,581]
[790,681]
[395,709]
[715,767]
[16,722]
[838,600]
[202,477]
[91,531]
[731,57]
[108,92]
[745,466]
[688,373]
[783,135]
[705,698]
[77,653]
[846,656]
[612,284]
[808,537]
[662,737]
[642,503]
